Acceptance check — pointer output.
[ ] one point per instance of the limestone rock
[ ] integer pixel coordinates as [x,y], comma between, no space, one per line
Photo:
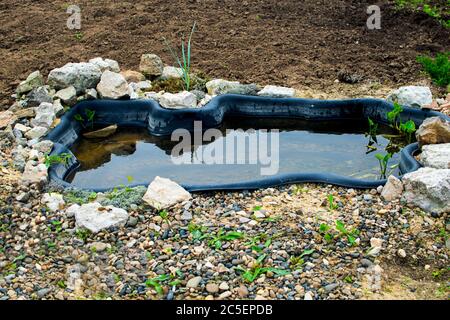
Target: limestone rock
[436,156]
[151,65]
[7,118]
[37,96]
[34,172]
[45,115]
[276,91]
[163,193]
[44,146]
[412,96]
[433,130]
[428,189]
[36,132]
[80,75]
[34,80]
[219,86]
[132,76]
[112,86]
[106,64]
[53,201]
[102,133]
[170,72]
[95,217]
[67,95]
[180,100]
[393,189]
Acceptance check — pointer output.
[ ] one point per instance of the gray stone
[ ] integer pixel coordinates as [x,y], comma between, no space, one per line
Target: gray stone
[180,100]
[80,75]
[412,96]
[151,65]
[193,282]
[393,189]
[36,132]
[112,86]
[106,64]
[67,95]
[91,94]
[433,131]
[220,86]
[33,80]
[428,189]
[163,193]
[44,146]
[58,108]
[95,217]
[53,201]
[277,92]
[170,72]
[43,292]
[102,133]
[45,115]
[330,287]
[37,96]
[34,172]
[7,118]
[436,156]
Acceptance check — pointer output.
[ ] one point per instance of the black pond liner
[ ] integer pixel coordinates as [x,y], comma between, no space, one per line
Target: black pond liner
[162,122]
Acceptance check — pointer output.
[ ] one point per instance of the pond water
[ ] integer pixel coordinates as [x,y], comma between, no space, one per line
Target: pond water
[132,154]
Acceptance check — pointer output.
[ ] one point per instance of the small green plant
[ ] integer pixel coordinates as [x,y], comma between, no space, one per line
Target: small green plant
[78,36]
[324,230]
[164,215]
[394,116]
[296,263]
[373,130]
[57,225]
[257,243]
[218,239]
[88,121]
[250,275]
[185,61]
[331,205]
[256,208]
[351,235]
[82,234]
[197,232]
[383,161]
[61,284]
[62,158]
[349,279]
[408,129]
[438,68]
[158,282]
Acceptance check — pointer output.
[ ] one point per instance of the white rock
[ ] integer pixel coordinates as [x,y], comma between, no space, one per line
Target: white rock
[80,75]
[170,72]
[34,172]
[45,115]
[163,193]
[53,201]
[393,189]
[112,86]
[34,80]
[433,130]
[376,242]
[412,96]
[205,100]
[106,64]
[193,282]
[429,189]
[151,65]
[180,100]
[91,94]
[36,132]
[22,128]
[33,155]
[401,253]
[94,217]
[436,156]
[218,86]
[308,296]
[44,146]
[58,108]
[276,91]
[67,95]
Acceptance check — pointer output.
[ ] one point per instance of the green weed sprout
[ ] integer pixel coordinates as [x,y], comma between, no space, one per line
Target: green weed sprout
[63,158]
[185,61]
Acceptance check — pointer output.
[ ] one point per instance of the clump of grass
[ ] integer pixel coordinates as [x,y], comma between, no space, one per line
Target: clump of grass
[297,262]
[331,204]
[250,275]
[434,9]
[218,239]
[383,161]
[438,68]
[184,62]
[340,231]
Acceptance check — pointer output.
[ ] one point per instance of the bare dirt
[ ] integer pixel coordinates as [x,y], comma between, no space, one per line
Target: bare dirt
[304,44]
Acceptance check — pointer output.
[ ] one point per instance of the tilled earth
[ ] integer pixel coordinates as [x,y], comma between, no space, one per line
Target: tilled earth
[397,252]
[296,43]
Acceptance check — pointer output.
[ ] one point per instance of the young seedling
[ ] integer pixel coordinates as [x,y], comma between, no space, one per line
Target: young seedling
[217,240]
[373,130]
[324,230]
[331,205]
[185,61]
[351,235]
[394,116]
[250,275]
[296,263]
[408,129]
[383,161]
[164,215]
[197,232]
[90,114]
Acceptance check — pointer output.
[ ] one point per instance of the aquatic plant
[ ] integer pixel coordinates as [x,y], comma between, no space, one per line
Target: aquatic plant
[63,158]
[383,160]
[185,61]
[90,114]
[408,129]
[394,116]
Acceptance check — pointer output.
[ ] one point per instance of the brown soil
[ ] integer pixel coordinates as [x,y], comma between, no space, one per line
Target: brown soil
[297,43]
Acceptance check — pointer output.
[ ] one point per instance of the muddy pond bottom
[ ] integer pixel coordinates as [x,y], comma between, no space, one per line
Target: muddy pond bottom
[238,151]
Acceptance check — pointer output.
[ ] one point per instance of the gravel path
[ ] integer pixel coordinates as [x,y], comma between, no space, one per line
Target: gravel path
[277,243]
